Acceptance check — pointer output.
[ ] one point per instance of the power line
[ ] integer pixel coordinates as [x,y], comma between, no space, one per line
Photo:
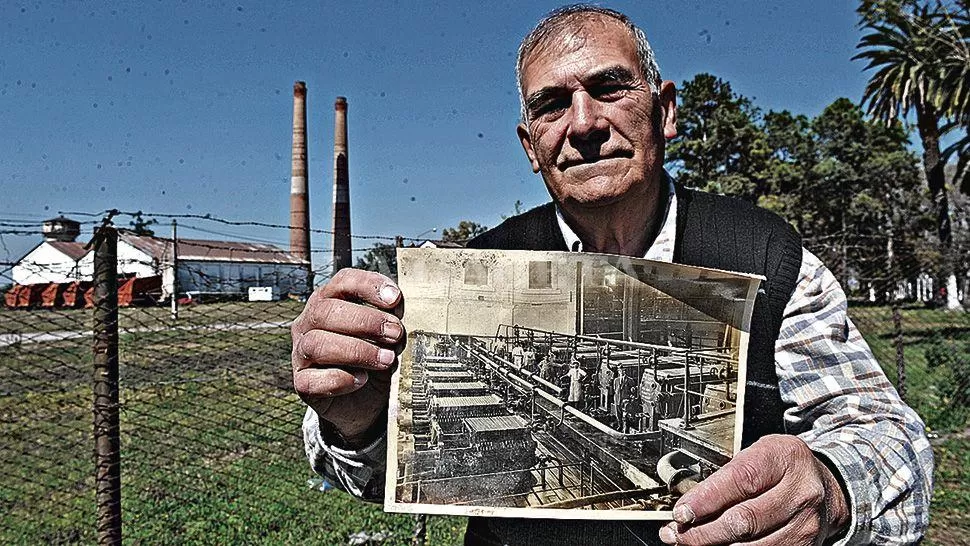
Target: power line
[211,218]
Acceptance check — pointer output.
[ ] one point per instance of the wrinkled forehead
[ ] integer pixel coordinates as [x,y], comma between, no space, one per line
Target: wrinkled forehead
[593,33]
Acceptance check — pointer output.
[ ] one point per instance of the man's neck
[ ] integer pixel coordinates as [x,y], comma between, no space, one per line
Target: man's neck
[627,227]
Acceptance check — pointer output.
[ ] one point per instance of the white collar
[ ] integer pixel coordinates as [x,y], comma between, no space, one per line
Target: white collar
[662,248]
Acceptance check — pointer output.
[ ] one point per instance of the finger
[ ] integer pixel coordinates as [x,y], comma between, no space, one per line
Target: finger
[316,384]
[751,472]
[749,520]
[318,348]
[802,531]
[351,319]
[365,286]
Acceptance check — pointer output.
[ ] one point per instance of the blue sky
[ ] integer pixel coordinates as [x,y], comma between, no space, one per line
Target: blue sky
[186,107]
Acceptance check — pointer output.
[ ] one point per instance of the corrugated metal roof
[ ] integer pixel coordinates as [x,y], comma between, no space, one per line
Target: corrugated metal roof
[74,250]
[213,251]
[497,423]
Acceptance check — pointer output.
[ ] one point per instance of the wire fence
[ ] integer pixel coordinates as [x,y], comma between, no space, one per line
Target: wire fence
[209,426]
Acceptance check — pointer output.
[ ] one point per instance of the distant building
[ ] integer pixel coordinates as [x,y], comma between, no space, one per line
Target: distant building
[211,267]
[58,258]
[204,267]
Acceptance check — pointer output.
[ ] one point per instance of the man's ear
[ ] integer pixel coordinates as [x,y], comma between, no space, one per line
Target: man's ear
[668,108]
[526,139]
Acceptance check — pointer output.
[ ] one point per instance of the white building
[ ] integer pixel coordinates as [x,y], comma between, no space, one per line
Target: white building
[58,258]
[211,267]
[54,261]
[204,267]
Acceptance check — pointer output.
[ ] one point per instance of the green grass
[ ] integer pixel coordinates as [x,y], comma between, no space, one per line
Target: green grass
[203,463]
[211,444]
[937,395]
[58,320]
[950,517]
[212,452]
[941,397]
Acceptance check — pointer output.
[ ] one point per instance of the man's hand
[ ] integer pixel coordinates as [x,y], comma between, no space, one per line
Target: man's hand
[343,349]
[774,492]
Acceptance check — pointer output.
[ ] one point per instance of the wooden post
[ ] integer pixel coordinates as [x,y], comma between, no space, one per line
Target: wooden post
[106,421]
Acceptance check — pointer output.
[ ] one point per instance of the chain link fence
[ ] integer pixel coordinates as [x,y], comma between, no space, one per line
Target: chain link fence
[209,427]
[914,317]
[210,445]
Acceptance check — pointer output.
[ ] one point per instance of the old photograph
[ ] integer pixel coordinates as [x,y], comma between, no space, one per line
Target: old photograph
[563,385]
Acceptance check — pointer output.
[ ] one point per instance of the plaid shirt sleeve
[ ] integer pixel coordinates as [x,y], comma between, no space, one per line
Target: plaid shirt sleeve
[360,473]
[848,412]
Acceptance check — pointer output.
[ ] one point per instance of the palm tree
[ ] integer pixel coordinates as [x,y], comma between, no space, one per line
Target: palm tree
[920,57]
[953,89]
[904,51]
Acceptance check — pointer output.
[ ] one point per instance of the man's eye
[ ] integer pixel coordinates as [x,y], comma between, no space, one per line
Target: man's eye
[609,91]
[551,107]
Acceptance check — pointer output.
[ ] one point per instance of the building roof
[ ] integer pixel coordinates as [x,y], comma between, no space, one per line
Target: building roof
[213,251]
[73,250]
[61,218]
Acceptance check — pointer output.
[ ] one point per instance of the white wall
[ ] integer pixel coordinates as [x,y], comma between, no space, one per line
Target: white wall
[46,264]
[441,298]
[134,261]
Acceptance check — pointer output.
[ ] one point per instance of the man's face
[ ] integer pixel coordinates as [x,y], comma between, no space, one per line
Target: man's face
[594,128]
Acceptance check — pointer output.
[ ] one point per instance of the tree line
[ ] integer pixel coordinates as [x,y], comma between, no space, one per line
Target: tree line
[847,179]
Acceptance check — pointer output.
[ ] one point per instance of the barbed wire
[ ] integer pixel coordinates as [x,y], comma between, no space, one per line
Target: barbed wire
[212,218]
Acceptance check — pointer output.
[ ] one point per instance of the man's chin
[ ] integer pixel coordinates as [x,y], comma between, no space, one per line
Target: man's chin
[596,192]
[592,200]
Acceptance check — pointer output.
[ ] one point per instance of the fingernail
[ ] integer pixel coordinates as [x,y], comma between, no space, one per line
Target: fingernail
[683,514]
[392,330]
[360,377]
[385,356]
[389,294]
[668,535]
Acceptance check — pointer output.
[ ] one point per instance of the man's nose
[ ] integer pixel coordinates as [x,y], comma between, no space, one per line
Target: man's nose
[587,122]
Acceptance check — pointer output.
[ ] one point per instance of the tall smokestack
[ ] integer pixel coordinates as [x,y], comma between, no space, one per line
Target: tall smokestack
[341,189]
[299,199]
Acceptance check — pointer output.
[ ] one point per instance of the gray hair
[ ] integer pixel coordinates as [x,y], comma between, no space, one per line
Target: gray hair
[562,18]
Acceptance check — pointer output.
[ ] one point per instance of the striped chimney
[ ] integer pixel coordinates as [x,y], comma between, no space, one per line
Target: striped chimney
[299,199]
[341,189]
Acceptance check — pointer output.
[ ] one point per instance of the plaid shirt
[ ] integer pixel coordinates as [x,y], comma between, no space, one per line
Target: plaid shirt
[843,407]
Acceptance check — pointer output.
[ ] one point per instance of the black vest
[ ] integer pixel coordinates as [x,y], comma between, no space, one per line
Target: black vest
[712,231]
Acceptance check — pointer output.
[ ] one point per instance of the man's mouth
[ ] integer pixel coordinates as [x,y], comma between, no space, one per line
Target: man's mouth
[619,154]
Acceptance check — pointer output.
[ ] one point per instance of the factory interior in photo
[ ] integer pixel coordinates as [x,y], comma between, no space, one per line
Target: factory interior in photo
[564,381]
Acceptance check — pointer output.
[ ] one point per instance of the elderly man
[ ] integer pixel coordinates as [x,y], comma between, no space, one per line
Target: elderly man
[830,453]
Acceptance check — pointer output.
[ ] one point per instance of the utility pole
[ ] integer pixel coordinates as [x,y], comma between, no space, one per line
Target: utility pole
[175,270]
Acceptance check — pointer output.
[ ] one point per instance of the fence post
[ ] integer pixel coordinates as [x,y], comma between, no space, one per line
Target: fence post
[175,271]
[106,421]
[900,356]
